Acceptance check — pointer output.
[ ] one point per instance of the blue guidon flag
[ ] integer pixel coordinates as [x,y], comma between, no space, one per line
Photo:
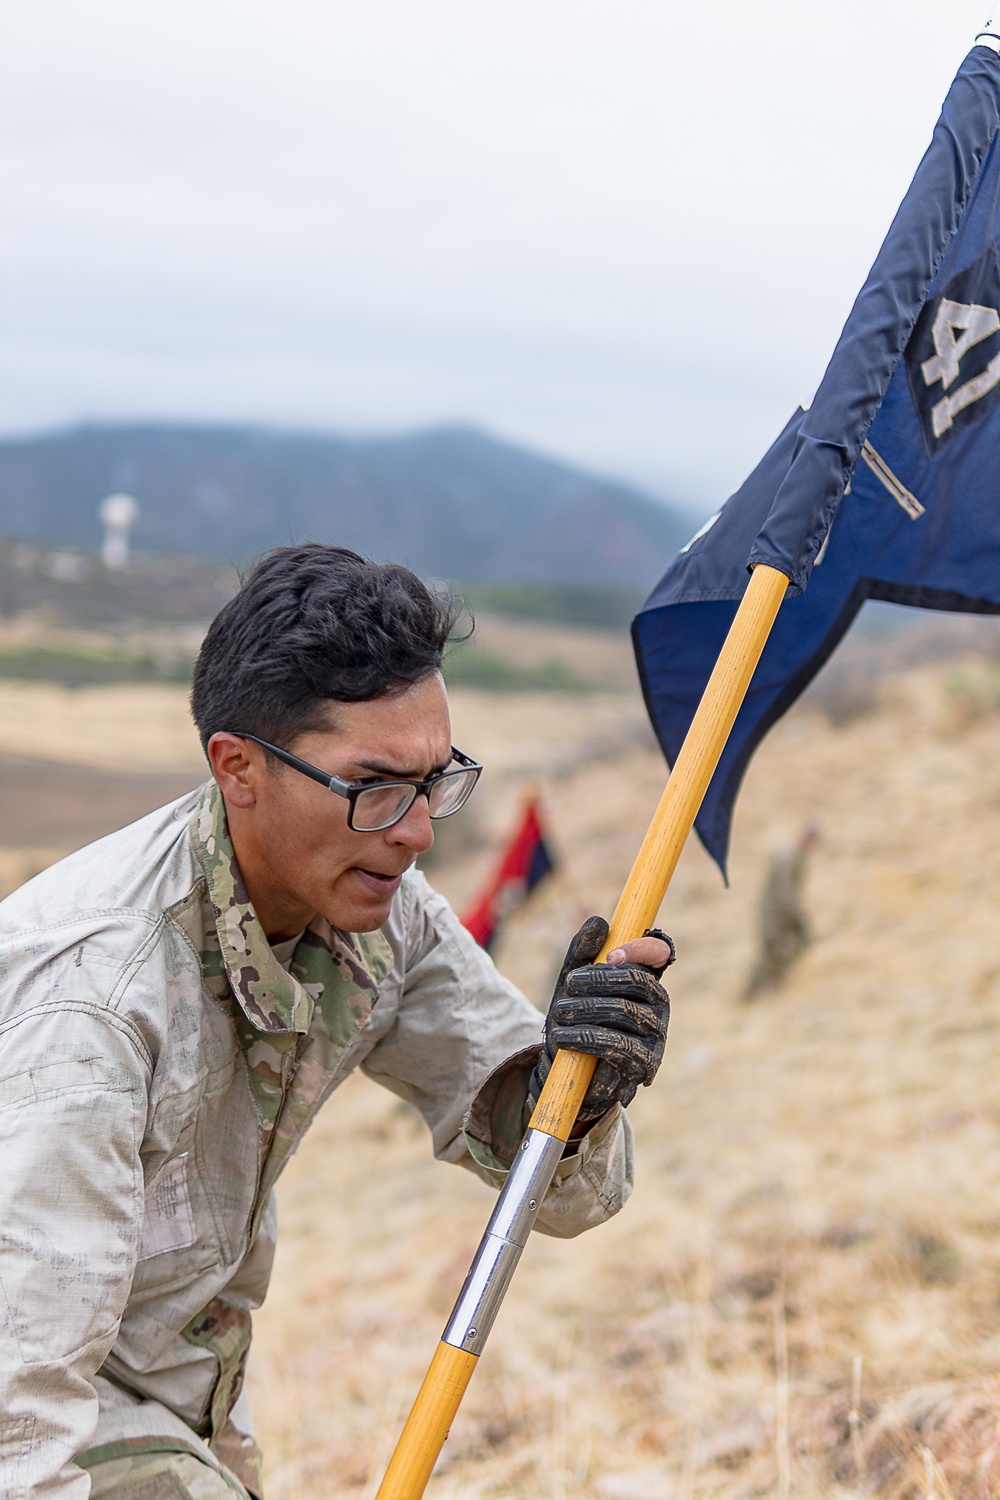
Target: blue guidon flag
[888,487]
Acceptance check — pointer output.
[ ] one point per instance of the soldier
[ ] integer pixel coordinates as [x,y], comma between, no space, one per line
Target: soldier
[783,925]
[177,1001]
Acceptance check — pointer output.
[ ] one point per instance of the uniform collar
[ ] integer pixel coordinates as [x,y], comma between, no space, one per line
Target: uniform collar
[272,999]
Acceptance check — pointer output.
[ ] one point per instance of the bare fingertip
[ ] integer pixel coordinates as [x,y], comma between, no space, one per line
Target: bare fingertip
[616,956]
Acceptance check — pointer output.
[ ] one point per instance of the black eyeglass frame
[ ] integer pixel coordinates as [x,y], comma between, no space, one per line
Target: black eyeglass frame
[352,790]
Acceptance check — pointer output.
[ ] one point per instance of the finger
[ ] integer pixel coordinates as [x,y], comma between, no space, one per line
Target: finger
[607,1087]
[630,981]
[651,952]
[620,1014]
[585,946]
[633,1058]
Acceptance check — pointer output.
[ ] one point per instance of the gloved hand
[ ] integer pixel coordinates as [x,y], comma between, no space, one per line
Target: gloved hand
[617,1012]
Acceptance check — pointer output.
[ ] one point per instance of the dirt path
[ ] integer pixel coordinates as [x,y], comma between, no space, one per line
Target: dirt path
[65,806]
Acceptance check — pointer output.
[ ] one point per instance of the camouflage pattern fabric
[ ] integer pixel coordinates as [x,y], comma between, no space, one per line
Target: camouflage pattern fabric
[162,1476]
[293,1027]
[500,1111]
[226,1330]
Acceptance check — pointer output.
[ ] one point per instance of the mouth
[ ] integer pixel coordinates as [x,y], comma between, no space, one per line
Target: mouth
[379,885]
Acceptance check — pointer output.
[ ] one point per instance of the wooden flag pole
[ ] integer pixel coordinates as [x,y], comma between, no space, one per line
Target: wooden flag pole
[549,1128]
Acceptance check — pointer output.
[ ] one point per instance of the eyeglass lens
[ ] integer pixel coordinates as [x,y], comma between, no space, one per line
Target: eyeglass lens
[448,794]
[379,807]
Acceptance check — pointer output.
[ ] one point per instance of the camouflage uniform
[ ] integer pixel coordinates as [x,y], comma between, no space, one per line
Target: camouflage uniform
[162,1476]
[158,1066]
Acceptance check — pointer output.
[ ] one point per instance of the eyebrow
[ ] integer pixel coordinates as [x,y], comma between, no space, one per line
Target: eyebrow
[381,769]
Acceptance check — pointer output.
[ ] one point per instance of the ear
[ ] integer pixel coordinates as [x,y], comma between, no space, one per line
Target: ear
[237,766]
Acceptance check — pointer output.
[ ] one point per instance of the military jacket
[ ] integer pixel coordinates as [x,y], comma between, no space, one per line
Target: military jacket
[158,1065]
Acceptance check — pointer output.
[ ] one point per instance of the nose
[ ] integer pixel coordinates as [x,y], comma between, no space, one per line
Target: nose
[414,830]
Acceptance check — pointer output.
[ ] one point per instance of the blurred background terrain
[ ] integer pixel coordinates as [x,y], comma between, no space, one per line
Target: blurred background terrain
[455,503]
[807,1281]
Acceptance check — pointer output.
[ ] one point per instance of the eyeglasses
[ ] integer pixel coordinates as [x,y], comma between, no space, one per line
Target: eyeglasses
[380,804]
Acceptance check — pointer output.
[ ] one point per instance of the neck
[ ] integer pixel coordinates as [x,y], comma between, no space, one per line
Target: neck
[280,914]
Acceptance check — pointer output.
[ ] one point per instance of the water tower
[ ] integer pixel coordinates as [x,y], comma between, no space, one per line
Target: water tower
[117,514]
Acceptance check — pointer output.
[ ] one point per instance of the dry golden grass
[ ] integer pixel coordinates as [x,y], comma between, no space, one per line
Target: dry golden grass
[124,728]
[603,658]
[803,1297]
[816,1225]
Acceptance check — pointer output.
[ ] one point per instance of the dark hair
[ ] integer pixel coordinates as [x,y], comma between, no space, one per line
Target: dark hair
[310,624]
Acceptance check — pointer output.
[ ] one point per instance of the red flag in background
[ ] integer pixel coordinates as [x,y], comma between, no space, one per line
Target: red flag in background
[525,862]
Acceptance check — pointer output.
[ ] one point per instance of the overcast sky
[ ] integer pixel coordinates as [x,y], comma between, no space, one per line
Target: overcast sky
[624,232]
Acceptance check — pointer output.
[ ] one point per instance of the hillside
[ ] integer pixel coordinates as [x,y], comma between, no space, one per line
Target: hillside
[450,502]
[815,1230]
[801,1298]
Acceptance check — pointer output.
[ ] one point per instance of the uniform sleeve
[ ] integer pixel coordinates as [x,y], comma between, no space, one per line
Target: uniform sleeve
[461,1050]
[73,1091]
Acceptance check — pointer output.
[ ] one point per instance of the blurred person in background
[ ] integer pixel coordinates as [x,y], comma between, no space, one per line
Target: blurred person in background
[178,999]
[783,928]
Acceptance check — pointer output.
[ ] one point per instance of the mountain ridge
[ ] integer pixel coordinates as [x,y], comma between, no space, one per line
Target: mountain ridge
[450,501]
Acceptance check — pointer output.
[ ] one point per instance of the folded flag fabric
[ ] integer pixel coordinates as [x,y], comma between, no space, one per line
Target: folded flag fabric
[526,860]
[888,487]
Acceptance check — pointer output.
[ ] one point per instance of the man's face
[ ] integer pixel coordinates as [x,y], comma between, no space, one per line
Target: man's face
[295,850]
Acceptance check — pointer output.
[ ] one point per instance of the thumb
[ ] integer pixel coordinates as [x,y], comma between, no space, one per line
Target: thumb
[585,946]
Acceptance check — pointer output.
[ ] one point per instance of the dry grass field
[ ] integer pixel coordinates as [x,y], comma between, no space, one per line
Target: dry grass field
[802,1298]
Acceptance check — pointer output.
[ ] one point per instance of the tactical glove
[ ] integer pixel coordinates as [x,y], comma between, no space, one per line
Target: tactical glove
[617,1013]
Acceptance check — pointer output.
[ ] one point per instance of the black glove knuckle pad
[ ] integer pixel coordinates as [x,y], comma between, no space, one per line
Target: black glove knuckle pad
[601,1010]
[630,1056]
[629,980]
[617,1013]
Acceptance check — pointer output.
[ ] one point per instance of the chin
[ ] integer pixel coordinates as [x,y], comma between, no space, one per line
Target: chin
[358,917]
[355,906]
[367,924]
